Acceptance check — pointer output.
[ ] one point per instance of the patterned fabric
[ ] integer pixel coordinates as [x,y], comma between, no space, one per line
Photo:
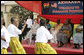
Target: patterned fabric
[3,51]
[67,32]
[58,26]
[62,37]
[78,37]
[16,47]
[44,48]
[67,29]
[54,33]
[74,32]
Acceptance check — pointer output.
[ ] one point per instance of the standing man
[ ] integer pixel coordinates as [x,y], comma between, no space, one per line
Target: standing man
[5,39]
[31,34]
[21,24]
[29,23]
[72,26]
[42,37]
[20,27]
[15,45]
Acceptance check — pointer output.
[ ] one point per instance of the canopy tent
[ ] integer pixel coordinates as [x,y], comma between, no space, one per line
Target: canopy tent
[36,6]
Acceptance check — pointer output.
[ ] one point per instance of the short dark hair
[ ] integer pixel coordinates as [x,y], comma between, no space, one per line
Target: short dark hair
[47,21]
[12,19]
[69,20]
[42,22]
[58,20]
[81,20]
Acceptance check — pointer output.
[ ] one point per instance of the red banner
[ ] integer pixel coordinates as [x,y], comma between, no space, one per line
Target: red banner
[36,6]
[74,18]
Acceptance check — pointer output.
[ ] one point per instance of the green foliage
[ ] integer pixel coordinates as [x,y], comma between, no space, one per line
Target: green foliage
[22,12]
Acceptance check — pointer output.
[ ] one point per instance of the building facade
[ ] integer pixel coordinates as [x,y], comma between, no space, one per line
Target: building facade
[5,9]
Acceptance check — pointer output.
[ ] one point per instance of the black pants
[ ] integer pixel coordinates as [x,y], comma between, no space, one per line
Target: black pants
[24,34]
[71,35]
[20,37]
[28,29]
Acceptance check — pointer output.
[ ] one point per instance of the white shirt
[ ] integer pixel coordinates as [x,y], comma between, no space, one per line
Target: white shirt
[5,34]
[43,35]
[29,23]
[14,31]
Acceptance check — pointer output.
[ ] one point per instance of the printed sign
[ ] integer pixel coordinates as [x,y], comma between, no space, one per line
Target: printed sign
[62,7]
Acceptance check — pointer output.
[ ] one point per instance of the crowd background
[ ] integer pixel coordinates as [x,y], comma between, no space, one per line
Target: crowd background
[62,33]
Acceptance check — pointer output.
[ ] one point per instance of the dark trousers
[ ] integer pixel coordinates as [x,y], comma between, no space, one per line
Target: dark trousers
[71,35]
[28,29]
[23,34]
[20,37]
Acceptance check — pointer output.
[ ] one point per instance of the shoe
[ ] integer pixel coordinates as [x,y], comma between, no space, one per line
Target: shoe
[74,48]
[78,47]
[59,46]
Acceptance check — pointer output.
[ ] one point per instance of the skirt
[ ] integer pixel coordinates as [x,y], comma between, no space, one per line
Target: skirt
[44,48]
[62,37]
[78,38]
[15,46]
[3,51]
[67,32]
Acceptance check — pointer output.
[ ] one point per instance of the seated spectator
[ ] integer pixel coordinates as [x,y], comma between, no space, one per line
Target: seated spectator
[67,28]
[58,25]
[55,30]
[61,38]
[63,33]
[78,37]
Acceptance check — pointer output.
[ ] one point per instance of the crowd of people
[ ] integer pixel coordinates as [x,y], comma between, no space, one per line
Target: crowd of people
[39,34]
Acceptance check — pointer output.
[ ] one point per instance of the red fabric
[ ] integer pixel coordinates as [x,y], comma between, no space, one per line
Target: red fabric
[34,6]
[38,20]
[30,49]
[63,50]
[74,18]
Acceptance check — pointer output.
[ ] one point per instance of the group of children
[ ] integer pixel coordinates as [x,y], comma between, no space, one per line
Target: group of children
[9,38]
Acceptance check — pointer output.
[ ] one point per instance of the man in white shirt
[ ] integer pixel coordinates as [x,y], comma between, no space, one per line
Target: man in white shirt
[30,35]
[15,44]
[42,37]
[29,23]
[5,39]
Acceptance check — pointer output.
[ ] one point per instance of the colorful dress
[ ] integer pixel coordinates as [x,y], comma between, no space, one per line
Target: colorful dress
[63,36]
[54,32]
[78,37]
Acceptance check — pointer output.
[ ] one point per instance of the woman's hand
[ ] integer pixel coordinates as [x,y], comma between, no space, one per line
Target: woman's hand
[2,38]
